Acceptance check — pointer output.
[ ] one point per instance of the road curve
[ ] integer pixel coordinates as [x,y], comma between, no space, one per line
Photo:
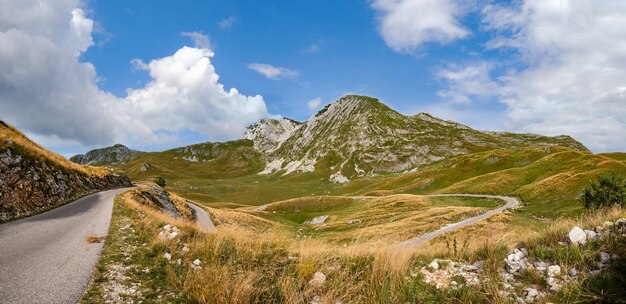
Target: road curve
[46,258]
[203,219]
[510,202]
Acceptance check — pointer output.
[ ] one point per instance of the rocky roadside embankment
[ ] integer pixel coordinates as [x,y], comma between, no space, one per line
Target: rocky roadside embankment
[29,185]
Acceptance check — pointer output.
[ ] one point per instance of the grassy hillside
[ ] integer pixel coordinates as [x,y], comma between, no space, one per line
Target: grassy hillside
[548,179]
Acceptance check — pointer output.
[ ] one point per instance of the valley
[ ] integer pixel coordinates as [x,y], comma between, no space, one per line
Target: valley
[331,209]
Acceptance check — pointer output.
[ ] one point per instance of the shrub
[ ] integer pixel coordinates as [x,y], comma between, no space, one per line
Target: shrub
[605,190]
[159,180]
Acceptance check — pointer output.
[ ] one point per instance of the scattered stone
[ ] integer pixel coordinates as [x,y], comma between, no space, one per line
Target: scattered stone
[317,220]
[554,283]
[434,265]
[604,257]
[554,270]
[197,262]
[591,235]
[318,279]
[572,272]
[167,256]
[185,249]
[316,300]
[530,294]
[577,236]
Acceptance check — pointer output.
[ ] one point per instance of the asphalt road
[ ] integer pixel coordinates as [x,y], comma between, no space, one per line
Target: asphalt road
[510,202]
[202,217]
[46,258]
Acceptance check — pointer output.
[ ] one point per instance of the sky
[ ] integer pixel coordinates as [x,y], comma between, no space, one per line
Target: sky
[77,75]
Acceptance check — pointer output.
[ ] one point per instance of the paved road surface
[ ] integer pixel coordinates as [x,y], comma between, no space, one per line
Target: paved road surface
[510,203]
[46,259]
[202,217]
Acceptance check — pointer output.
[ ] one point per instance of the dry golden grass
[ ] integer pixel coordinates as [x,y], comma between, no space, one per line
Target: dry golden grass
[241,265]
[32,149]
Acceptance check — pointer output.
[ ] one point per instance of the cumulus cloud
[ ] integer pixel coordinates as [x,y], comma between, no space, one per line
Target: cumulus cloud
[227,23]
[199,39]
[407,24]
[47,91]
[272,72]
[314,103]
[573,69]
[185,93]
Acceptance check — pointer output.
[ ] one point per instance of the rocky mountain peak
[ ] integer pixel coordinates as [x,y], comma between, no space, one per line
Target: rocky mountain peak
[268,134]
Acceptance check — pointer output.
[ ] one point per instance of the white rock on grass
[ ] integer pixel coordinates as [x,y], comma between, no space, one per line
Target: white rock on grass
[318,279]
[197,262]
[572,272]
[530,294]
[167,256]
[591,235]
[434,265]
[554,270]
[317,220]
[577,236]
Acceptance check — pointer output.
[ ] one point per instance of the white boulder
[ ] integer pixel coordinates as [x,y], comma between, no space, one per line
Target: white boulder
[577,236]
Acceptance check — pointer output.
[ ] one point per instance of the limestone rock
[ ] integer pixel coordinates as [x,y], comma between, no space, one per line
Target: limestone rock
[577,236]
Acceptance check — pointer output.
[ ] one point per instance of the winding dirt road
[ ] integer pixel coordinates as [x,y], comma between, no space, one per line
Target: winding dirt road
[510,202]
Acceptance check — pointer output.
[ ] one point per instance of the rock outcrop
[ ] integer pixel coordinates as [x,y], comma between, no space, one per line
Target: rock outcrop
[114,155]
[30,184]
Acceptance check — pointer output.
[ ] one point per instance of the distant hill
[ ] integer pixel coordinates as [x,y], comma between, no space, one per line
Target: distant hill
[33,179]
[114,155]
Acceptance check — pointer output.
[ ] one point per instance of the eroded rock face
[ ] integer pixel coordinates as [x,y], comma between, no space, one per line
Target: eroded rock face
[29,185]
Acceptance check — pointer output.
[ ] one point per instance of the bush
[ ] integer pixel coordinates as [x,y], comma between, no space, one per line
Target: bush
[605,190]
[159,180]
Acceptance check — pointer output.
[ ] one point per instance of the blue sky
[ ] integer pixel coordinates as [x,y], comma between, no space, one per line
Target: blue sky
[144,73]
[334,45]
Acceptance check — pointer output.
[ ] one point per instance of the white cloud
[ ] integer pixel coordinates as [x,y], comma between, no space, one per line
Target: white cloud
[227,23]
[572,75]
[272,72]
[407,24]
[314,103]
[185,93]
[49,93]
[200,40]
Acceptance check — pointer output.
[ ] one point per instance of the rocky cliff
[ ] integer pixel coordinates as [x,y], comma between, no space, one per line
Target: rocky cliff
[33,179]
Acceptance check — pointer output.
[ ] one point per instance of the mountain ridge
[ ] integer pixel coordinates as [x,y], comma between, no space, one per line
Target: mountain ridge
[355,136]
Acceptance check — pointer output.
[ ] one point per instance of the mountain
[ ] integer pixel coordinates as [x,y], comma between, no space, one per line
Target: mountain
[359,136]
[114,155]
[33,179]
[268,134]
[205,160]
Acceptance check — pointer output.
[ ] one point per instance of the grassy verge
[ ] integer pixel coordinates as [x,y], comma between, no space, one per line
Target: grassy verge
[246,266]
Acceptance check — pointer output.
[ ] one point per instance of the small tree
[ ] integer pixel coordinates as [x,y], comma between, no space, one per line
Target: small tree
[605,190]
[159,180]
